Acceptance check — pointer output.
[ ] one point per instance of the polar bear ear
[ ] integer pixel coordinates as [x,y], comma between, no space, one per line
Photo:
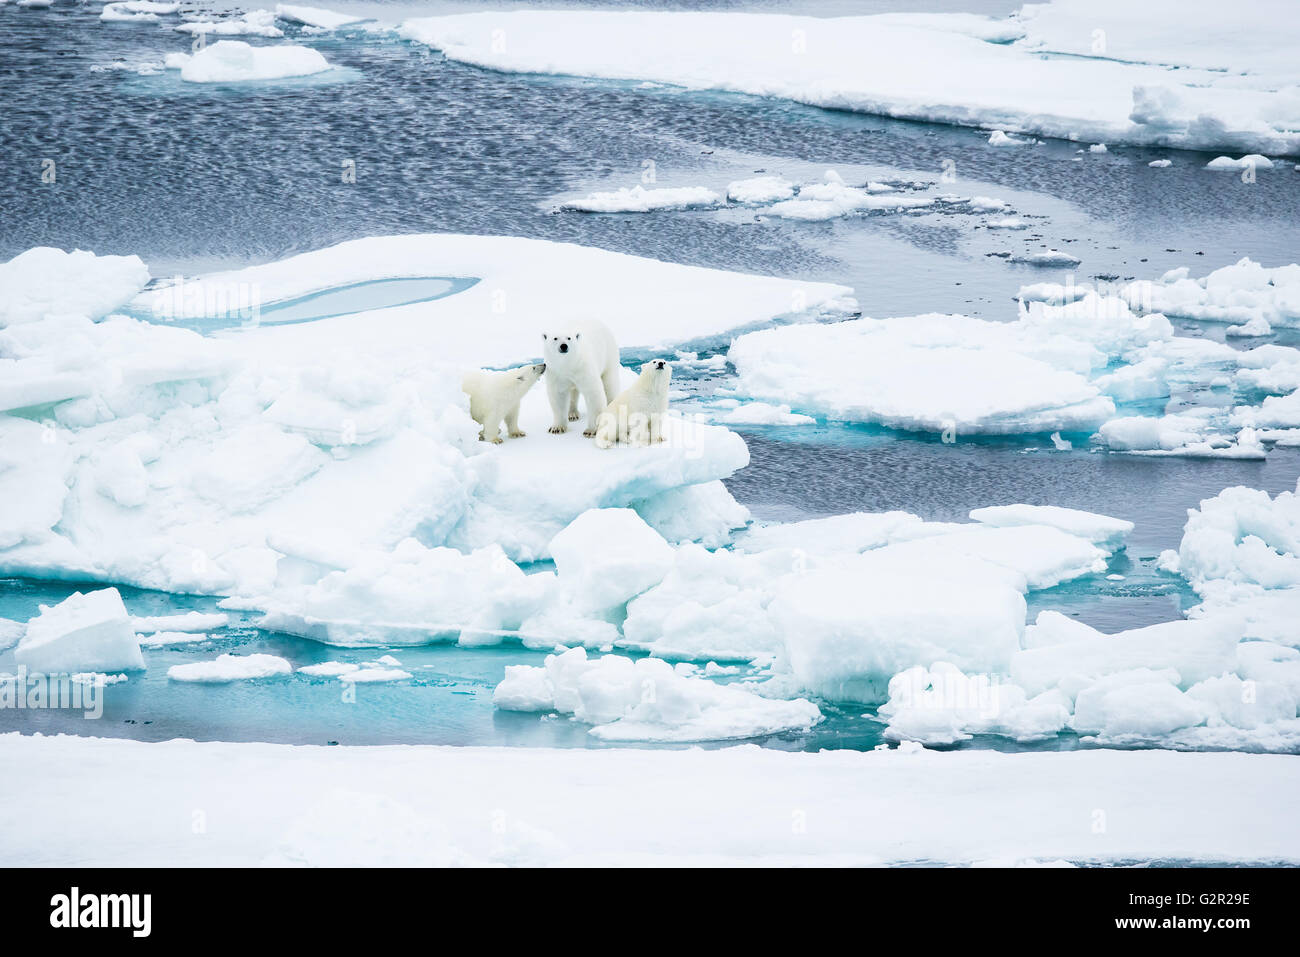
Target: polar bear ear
[577,335]
[544,336]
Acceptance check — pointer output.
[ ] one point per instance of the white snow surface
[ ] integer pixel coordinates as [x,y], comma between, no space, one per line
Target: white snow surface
[935,68]
[391,806]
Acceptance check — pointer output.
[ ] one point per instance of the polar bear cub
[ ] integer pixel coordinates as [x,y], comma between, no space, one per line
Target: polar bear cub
[636,415]
[494,396]
[581,360]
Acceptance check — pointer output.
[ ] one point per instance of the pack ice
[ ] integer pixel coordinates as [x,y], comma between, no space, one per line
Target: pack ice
[145,453]
[1148,79]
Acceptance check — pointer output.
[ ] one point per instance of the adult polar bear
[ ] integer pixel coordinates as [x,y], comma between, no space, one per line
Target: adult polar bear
[581,360]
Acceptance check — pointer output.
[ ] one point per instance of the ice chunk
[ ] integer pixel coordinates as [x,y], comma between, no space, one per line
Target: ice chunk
[1140,703]
[760,189]
[258,23]
[940,705]
[315,16]
[46,281]
[1194,649]
[605,557]
[705,513]
[228,668]
[1253,161]
[410,595]
[190,621]
[374,676]
[84,632]
[847,633]
[764,413]
[853,532]
[638,199]
[1099,529]
[11,632]
[234,61]
[647,700]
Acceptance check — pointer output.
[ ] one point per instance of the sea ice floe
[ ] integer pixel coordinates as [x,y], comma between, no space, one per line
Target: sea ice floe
[647,700]
[148,454]
[1252,297]
[127,11]
[258,23]
[638,199]
[316,17]
[84,632]
[234,61]
[227,668]
[672,807]
[886,65]
[1102,530]
[1252,162]
[936,373]
[763,413]
[760,189]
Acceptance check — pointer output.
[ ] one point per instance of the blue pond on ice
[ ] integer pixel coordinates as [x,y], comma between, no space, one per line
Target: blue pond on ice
[336,301]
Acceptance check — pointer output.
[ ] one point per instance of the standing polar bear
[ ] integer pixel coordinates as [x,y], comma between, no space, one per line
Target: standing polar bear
[494,396]
[582,360]
[636,415]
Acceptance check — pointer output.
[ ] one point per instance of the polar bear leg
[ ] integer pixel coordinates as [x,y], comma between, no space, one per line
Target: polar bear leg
[512,423]
[573,405]
[491,429]
[593,393]
[558,394]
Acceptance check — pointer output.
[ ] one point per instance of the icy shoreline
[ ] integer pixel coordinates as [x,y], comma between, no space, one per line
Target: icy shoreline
[393,806]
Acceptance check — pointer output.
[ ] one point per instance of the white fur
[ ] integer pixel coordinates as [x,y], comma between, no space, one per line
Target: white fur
[494,396]
[580,360]
[636,415]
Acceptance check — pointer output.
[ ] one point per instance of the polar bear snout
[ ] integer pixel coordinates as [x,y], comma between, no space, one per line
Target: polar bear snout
[659,364]
[564,347]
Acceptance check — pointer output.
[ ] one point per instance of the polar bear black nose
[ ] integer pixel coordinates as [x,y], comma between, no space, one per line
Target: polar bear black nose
[564,347]
[659,364]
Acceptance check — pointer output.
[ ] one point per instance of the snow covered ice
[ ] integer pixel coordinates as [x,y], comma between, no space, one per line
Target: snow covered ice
[886,64]
[976,507]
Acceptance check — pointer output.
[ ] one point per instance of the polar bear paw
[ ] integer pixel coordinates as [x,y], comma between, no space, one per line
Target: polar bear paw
[558,429]
[517,433]
[589,433]
[574,416]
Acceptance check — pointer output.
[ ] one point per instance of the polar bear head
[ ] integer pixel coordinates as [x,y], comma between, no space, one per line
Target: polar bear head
[656,374]
[529,374]
[562,350]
